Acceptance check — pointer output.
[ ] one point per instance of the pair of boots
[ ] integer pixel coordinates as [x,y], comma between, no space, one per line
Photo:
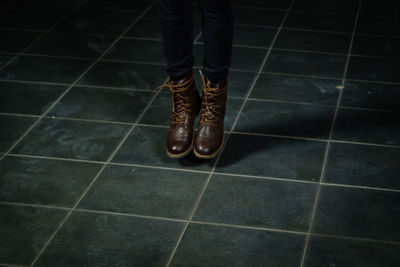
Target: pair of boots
[186,104]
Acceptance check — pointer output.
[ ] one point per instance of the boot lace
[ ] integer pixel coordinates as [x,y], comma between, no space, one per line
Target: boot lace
[180,101]
[211,106]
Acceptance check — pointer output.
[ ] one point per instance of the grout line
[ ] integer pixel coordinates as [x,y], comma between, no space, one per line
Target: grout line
[149,217]
[282,179]
[324,164]
[19,115]
[86,120]
[227,137]
[55,158]
[110,157]
[75,82]
[12,265]
[42,35]
[115,150]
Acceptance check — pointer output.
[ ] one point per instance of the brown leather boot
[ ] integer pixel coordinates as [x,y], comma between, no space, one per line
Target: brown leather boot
[210,134]
[185,107]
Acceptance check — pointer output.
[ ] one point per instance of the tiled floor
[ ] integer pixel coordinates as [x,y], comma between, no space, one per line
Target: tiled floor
[309,174]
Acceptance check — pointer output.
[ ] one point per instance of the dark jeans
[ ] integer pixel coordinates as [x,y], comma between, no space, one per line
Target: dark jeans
[177,35]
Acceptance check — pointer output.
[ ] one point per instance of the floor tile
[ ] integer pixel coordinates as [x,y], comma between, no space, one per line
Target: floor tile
[72,139]
[16,41]
[348,7]
[374,69]
[296,89]
[342,252]
[26,229]
[376,46]
[325,22]
[313,41]
[45,182]
[311,64]
[125,75]
[44,69]
[287,119]
[25,98]
[281,4]
[144,191]
[371,95]
[12,127]
[72,45]
[256,16]
[367,126]
[274,157]
[105,104]
[206,245]
[363,165]
[4,59]
[257,202]
[243,58]
[386,25]
[253,36]
[145,28]
[35,15]
[103,17]
[354,212]
[101,240]
[146,145]
[137,50]
[160,111]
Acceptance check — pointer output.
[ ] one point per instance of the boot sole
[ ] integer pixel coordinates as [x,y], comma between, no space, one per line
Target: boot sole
[201,156]
[181,155]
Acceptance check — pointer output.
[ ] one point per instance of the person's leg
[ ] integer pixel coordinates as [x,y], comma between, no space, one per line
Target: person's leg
[177,35]
[217,21]
[217,18]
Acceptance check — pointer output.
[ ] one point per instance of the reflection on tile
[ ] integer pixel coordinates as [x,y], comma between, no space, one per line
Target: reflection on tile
[26,230]
[257,202]
[275,157]
[354,212]
[125,75]
[287,119]
[320,21]
[367,126]
[342,252]
[363,165]
[302,63]
[313,41]
[73,45]
[27,98]
[374,69]
[72,139]
[16,40]
[137,50]
[42,181]
[206,245]
[296,89]
[371,95]
[146,145]
[144,191]
[100,240]
[44,69]
[12,127]
[105,104]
